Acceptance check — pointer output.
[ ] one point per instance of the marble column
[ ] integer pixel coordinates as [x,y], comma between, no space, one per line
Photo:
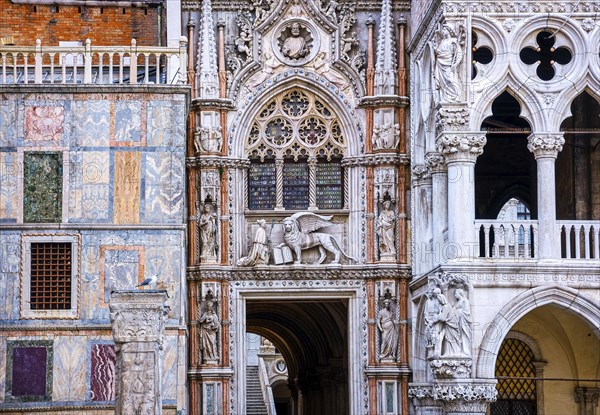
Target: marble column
[137,318]
[439,202]
[421,177]
[461,149]
[545,147]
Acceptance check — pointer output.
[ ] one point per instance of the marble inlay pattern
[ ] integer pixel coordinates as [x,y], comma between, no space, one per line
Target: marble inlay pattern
[44,123]
[10,265]
[89,188]
[8,124]
[10,177]
[42,190]
[91,123]
[29,371]
[127,187]
[122,268]
[102,372]
[165,127]
[69,368]
[164,187]
[128,127]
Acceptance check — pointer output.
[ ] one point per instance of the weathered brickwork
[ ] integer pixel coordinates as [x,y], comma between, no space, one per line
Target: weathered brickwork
[102,25]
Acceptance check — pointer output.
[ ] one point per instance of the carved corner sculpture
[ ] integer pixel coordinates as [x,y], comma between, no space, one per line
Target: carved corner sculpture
[299,234]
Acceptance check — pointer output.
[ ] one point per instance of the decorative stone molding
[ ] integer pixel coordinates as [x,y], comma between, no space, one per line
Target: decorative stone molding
[451,368]
[383,101]
[452,117]
[491,8]
[295,275]
[385,183]
[545,145]
[376,159]
[435,162]
[468,397]
[587,398]
[216,162]
[420,392]
[457,146]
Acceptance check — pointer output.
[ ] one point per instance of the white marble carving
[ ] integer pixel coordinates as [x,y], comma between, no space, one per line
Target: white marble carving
[388,328]
[209,328]
[447,46]
[260,253]
[386,230]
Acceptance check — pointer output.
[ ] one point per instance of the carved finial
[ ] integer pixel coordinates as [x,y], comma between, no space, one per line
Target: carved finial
[385,68]
[207,54]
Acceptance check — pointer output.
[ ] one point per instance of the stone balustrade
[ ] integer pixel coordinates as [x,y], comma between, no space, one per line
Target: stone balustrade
[507,239]
[579,239]
[89,64]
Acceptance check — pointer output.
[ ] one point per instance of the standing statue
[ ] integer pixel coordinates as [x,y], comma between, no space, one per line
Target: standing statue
[389,332]
[259,254]
[432,310]
[385,226]
[209,326]
[208,233]
[447,56]
[294,46]
[462,310]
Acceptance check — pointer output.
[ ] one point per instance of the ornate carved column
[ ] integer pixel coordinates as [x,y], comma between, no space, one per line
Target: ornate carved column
[421,178]
[461,149]
[439,195]
[279,184]
[312,183]
[137,319]
[545,147]
[587,398]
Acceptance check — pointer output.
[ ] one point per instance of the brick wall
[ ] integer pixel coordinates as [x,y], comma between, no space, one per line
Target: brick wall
[108,26]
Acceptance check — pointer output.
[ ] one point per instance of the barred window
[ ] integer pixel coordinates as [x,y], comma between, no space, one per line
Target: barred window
[516,379]
[51,272]
[50,277]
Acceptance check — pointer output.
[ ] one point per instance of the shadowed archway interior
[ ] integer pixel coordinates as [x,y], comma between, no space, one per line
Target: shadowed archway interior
[312,336]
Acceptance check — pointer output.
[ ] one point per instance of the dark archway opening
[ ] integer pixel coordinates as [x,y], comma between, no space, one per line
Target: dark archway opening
[312,337]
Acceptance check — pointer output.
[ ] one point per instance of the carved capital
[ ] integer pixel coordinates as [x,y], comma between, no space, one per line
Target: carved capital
[545,145]
[138,316]
[421,174]
[452,118]
[587,398]
[456,146]
[468,397]
[435,162]
[449,368]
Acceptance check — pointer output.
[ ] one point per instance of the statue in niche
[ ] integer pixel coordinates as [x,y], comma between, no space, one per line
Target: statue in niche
[299,234]
[462,311]
[259,254]
[386,136]
[209,326]
[322,67]
[389,332]
[386,229]
[294,46]
[447,56]
[208,233]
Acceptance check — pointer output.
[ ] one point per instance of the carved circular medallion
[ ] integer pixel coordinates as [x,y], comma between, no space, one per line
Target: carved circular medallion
[295,42]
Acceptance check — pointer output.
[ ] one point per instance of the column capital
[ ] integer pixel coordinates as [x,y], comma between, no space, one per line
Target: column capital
[545,145]
[436,162]
[588,397]
[452,117]
[138,315]
[461,146]
[469,397]
[421,174]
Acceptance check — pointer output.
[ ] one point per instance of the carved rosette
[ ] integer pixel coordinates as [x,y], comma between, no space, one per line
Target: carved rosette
[421,174]
[452,118]
[545,145]
[435,162]
[457,146]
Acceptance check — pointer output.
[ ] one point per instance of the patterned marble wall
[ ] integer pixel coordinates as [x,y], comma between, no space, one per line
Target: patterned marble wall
[92,161]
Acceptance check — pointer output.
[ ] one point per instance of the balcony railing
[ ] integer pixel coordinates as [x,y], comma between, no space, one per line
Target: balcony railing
[93,65]
[579,239]
[502,239]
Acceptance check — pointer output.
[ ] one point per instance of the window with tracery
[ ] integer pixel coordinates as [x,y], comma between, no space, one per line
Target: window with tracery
[295,146]
[516,386]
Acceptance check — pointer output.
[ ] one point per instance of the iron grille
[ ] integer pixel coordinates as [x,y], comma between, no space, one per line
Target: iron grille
[50,276]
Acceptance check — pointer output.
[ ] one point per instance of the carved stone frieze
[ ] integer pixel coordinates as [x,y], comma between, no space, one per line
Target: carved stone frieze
[457,146]
[465,392]
[216,162]
[452,118]
[137,316]
[545,144]
[385,183]
[451,368]
[208,140]
[376,159]
[461,7]
[294,275]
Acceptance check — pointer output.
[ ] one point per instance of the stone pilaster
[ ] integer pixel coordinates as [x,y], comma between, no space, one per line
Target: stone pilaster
[137,319]
[587,398]
[421,178]
[461,149]
[545,147]
[439,202]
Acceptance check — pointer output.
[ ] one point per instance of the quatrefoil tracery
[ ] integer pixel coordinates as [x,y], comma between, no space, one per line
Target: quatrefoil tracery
[545,55]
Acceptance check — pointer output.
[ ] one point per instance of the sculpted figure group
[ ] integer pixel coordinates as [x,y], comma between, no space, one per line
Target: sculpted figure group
[447,327]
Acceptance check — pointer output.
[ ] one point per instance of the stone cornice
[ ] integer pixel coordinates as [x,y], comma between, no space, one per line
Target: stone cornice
[216,162]
[545,145]
[301,272]
[462,8]
[235,5]
[383,101]
[376,159]
[461,146]
[215,104]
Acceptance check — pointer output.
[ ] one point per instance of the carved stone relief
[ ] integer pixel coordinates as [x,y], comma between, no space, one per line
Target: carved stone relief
[209,325]
[388,328]
[295,42]
[385,227]
[447,44]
